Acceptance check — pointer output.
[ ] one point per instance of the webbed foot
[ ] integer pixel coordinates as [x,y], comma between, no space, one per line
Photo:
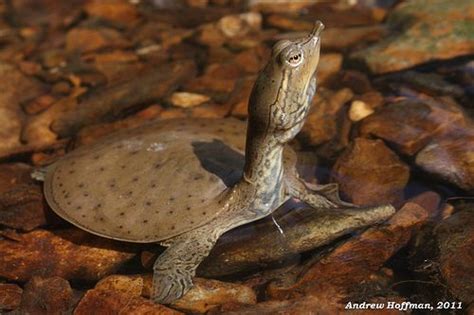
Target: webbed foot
[331,193]
[170,285]
[319,196]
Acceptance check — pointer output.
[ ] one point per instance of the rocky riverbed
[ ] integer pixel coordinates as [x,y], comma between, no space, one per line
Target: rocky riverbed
[391,123]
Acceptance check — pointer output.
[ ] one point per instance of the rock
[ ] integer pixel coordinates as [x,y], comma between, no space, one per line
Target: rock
[357,81]
[92,133]
[218,81]
[21,198]
[39,104]
[114,11]
[97,301]
[451,158]
[211,111]
[10,296]
[16,88]
[283,6]
[66,117]
[369,173]
[321,124]
[409,125]
[47,296]
[186,99]
[359,110]
[372,99]
[70,254]
[455,244]
[337,275]
[87,39]
[422,33]
[342,39]
[253,59]
[229,27]
[329,66]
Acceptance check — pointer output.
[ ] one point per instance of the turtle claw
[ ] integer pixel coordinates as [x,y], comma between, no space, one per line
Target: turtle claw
[169,287]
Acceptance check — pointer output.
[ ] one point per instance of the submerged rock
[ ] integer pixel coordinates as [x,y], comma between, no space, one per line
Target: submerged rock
[422,31]
[369,173]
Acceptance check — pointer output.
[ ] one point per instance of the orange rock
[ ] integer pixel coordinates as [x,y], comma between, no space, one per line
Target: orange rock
[252,60]
[10,296]
[339,273]
[70,254]
[240,99]
[39,104]
[410,125]
[89,39]
[47,296]
[321,124]
[98,301]
[329,65]
[21,199]
[369,173]
[115,11]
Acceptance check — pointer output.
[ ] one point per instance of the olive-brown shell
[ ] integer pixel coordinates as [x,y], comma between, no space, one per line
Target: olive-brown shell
[150,183]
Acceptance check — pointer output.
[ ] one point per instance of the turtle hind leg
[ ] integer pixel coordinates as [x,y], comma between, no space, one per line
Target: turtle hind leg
[176,266]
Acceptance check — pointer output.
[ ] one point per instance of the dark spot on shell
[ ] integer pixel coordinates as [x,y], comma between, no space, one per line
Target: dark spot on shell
[202,200]
[71,172]
[202,125]
[96,157]
[101,219]
[157,165]
[99,205]
[123,166]
[78,207]
[192,222]
[64,191]
[112,185]
[145,221]
[122,214]
[129,193]
[204,213]
[148,203]
[172,227]
[69,203]
[153,185]
[135,179]
[120,146]
[170,212]
[101,169]
[220,130]
[171,199]
[86,195]
[188,208]
[120,227]
[81,185]
[197,177]
[83,215]
[61,185]
[190,195]
[134,152]
[129,232]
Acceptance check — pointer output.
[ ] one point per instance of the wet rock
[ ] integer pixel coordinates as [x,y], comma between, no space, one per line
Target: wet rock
[211,111]
[330,65]
[369,173]
[16,88]
[257,246]
[342,39]
[321,124]
[372,99]
[115,11]
[39,104]
[87,39]
[21,199]
[422,33]
[47,296]
[228,28]
[186,99]
[451,158]
[10,296]
[409,125]
[252,60]
[359,110]
[335,276]
[99,301]
[218,81]
[357,81]
[65,118]
[92,133]
[240,98]
[70,254]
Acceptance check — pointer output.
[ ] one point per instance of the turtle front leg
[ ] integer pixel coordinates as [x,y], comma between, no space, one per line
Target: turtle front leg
[176,266]
[317,196]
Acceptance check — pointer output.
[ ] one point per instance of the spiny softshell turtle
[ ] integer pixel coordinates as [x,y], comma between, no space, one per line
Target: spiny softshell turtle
[185,182]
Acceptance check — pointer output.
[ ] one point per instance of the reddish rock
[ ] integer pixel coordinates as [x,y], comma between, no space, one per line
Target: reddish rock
[252,60]
[341,39]
[47,296]
[10,296]
[409,125]
[451,158]
[422,33]
[335,277]
[21,199]
[329,66]
[70,254]
[16,88]
[39,104]
[321,124]
[99,301]
[369,173]
[455,241]
[115,11]
[88,39]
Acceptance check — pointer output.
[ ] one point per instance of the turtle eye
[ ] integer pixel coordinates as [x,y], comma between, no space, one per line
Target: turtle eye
[294,59]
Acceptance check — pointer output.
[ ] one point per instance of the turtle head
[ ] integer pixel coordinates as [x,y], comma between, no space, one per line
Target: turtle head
[282,94]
